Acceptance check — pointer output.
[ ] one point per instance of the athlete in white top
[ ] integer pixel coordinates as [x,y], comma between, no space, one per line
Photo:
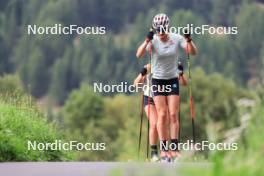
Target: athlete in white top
[144,79]
[164,69]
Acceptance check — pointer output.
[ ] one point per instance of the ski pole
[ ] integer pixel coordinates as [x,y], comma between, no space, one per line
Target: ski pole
[141,121]
[192,113]
[179,108]
[150,57]
[179,119]
[148,138]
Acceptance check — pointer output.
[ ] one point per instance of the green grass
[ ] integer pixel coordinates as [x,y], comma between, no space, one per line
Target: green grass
[248,160]
[21,121]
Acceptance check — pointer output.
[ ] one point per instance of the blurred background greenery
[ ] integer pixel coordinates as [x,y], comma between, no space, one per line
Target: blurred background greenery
[51,76]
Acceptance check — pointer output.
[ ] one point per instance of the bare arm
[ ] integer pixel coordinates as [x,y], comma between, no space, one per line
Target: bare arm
[142,49]
[142,76]
[139,80]
[183,80]
[191,48]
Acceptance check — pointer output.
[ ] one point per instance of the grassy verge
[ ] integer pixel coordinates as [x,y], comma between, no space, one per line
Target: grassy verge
[20,122]
[248,159]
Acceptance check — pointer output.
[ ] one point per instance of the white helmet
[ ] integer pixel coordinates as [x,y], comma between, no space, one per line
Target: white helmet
[159,20]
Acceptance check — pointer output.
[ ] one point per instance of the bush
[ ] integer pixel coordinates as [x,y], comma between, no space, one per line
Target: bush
[21,122]
[82,106]
[10,84]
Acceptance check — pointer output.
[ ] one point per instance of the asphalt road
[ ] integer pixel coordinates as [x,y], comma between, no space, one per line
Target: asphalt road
[94,168]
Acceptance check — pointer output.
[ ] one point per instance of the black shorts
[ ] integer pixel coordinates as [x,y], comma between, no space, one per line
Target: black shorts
[147,100]
[165,87]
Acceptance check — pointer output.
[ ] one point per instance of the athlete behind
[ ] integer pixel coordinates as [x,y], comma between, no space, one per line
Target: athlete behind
[143,79]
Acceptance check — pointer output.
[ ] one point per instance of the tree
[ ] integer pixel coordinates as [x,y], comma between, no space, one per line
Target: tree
[81,107]
[5,65]
[37,74]
[250,24]
[63,79]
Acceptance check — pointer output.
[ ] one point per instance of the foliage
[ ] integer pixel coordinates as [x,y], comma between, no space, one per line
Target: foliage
[22,122]
[54,65]
[247,160]
[81,107]
[63,67]
[115,120]
[10,84]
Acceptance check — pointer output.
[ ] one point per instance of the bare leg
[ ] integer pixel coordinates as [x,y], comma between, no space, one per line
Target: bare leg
[173,104]
[162,108]
[153,117]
